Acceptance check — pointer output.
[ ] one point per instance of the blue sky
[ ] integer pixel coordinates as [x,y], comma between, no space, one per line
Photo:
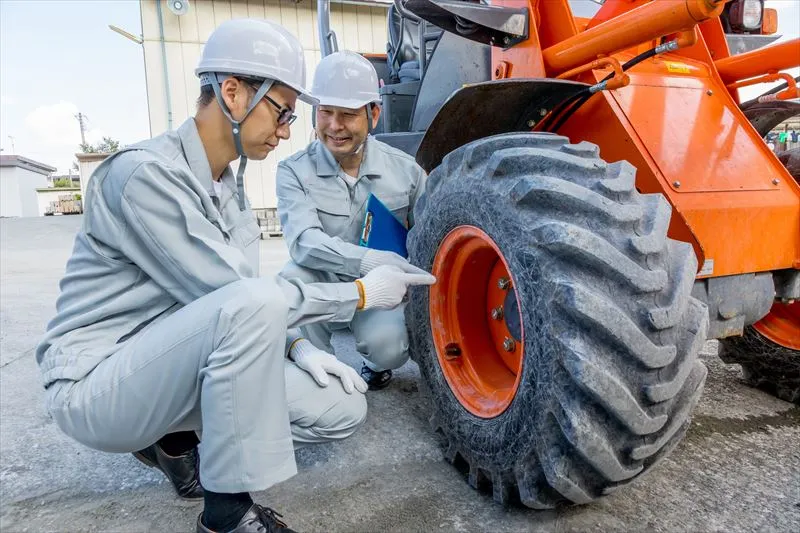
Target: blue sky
[59,57]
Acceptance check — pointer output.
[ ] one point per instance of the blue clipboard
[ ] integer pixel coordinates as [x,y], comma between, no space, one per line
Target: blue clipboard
[382,230]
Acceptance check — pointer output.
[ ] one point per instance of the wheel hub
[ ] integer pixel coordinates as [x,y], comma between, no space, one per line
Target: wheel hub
[475,322]
[782,325]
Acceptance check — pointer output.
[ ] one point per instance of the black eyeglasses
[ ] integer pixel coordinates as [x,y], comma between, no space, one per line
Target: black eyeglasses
[285,114]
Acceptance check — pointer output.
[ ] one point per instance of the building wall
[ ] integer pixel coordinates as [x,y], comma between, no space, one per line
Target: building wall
[87,166]
[18,192]
[358,28]
[28,183]
[10,206]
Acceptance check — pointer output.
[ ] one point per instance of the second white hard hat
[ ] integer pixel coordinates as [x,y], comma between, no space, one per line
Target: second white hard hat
[345,79]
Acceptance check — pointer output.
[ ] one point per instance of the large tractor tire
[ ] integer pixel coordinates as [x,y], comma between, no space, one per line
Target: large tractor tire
[769,350]
[559,345]
[791,160]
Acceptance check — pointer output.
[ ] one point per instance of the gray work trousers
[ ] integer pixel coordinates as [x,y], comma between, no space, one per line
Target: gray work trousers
[216,365]
[381,336]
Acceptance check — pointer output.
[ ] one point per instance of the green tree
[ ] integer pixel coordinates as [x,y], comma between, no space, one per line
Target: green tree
[62,182]
[106,146]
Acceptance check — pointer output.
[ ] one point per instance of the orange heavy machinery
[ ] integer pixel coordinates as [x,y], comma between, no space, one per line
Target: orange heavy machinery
[597,207]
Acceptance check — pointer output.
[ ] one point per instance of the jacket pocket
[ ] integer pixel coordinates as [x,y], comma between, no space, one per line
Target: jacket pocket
[333,213]
[397,204]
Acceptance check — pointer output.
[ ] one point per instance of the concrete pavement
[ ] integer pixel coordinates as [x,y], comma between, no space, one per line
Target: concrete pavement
[737,470]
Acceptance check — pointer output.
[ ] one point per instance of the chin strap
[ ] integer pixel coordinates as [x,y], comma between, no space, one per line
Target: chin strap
[236,125]
[361,146]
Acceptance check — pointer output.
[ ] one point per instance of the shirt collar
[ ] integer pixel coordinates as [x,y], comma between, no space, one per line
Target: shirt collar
[371,165]
[327,165]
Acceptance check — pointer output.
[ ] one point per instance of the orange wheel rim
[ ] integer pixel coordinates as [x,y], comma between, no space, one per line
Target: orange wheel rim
[473,311]
[782,325]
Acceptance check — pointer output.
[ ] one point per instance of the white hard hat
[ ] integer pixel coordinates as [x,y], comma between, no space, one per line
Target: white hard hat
[257,48]
[345,79]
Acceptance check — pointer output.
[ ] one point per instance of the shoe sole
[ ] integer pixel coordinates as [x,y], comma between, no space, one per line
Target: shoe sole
[380,386]
[147,462]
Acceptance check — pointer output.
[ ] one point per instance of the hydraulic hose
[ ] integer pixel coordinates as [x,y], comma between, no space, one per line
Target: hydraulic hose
[774,90]
[567,108]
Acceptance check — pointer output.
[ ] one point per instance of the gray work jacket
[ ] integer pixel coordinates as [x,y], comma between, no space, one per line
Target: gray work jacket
[156,237]
[322,217]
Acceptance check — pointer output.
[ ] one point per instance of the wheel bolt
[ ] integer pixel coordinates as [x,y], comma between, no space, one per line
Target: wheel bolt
[497,313]
[503,283]
[452,351]
[509,345]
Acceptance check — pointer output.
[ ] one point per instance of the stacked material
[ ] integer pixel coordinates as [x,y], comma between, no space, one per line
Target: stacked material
[269,223]
[66,204]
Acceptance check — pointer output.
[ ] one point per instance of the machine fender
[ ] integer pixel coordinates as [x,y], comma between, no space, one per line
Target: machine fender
[489,108]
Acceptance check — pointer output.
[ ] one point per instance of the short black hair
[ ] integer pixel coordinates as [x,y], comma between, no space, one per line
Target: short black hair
[206,96]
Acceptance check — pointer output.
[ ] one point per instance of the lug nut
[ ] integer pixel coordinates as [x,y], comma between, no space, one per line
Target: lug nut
[503,283]
[775,181]
[709,92]
[676,184]
[509,345]
[452,351]
[497,313]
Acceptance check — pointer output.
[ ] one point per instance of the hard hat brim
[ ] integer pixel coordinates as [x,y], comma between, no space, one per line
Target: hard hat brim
[347,103]
[302,94]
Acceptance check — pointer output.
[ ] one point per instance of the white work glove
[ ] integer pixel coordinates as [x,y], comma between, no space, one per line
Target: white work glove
[385,286]
[320,363]
[375,258]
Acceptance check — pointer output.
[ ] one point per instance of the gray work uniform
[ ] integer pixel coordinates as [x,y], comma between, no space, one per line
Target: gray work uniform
[322,218]
[163,324]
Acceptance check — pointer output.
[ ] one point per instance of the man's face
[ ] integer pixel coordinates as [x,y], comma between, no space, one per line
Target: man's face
[261,130]
[343,130]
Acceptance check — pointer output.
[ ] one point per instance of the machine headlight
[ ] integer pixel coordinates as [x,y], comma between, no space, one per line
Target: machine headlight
[751,14]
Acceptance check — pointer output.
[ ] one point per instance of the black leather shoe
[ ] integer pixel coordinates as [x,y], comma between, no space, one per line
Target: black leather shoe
[182,471]
[376,379]
[257,519]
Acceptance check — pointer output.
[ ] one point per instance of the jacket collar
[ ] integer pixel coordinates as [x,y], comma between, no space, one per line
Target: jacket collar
[327,166]
[196,157]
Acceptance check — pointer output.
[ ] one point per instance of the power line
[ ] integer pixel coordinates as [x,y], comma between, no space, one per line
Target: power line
[82,122]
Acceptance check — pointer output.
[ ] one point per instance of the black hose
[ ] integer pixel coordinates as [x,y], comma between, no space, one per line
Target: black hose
[567,108]
[774,90]
[571,111]
[560,108]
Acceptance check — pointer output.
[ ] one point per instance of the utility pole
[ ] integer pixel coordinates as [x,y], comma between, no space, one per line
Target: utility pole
[82,122]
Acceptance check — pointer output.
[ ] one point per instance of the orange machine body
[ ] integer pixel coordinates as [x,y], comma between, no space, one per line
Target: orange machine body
[677,120]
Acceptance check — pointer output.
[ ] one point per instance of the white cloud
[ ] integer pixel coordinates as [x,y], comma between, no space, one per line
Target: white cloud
[55,124]
[54,134]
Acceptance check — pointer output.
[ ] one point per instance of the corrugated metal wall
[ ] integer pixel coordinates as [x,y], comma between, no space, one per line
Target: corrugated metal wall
[359,28]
